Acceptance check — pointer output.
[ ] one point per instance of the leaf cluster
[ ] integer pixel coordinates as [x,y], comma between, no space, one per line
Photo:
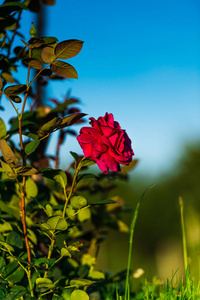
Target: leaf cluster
[62,214]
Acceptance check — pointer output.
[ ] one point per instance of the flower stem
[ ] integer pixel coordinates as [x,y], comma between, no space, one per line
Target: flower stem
[70,193]
[49,254]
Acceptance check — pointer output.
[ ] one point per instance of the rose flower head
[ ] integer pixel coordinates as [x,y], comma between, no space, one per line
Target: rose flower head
[106,143]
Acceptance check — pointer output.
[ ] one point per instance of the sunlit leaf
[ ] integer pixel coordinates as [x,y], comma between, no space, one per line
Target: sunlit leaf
[16,99]
[84,215]
[79,295]
[80,282]
[72,119]
[68,48]
[65,252]
[32,62]
[61,178]
[47,127]
[3,130]
[31,188]
[26,170]
[7,77]
[8,154]
[57,223]
[127,168]
[44,283]
[96,275]
[7,169]
[47,53]
[2,243]
[49,210]
[78,202]
[64,69]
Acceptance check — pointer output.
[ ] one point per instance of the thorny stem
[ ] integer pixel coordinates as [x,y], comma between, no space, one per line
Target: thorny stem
[23,194]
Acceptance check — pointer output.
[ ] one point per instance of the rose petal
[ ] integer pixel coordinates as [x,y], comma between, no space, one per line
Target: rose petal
[107,131]
[110,162]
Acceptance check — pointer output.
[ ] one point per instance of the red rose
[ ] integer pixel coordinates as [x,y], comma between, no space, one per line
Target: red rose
[106,143]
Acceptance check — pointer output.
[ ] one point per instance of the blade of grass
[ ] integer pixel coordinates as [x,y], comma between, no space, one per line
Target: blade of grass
[183,236]
[132,227]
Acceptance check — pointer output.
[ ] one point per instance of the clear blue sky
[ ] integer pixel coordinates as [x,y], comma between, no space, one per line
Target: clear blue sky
[140,61]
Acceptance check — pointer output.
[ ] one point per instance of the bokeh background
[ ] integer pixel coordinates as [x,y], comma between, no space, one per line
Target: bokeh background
[140,61]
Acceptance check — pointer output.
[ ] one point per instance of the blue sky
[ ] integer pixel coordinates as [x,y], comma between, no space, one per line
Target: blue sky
[140,61]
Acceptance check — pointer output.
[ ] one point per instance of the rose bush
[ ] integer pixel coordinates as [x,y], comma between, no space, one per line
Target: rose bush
[106,143]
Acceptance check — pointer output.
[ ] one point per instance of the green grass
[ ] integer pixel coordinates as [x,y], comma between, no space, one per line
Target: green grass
[182,289]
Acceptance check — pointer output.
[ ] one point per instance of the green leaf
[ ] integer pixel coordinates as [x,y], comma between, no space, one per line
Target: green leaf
[65,252]
[86,162]
[16,99]
[26,171]
[50,211]
[78,202]
[30,147]
[33,63]
[72,119]
[48,54]
[84,215]
[2,264]
[47,127]
[127,168]
[96,275]
[79,295]
[80,282]
[68,48]
[7,169]
[61,178]
[31,188]
[6,245]
[57,223]
[17,292]
[107,201]
[8,154]
[10,209]
[7,76]
[75,155]
[49,40]
[58,175]
[15,90]
[3,130]
[64,69]
[44,261]
[44,283]
[14,239]
[13,272]
[10,7]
